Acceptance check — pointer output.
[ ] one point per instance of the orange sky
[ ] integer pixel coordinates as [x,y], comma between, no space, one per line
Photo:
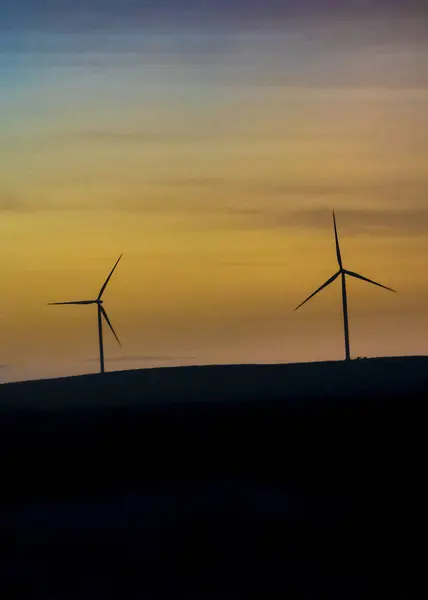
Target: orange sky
[212,161]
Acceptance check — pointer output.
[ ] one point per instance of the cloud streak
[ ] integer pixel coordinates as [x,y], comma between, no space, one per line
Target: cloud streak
[11,203]
[17,205]
[230,213]
[105,137]
[379,222]
[411,188]
[104,13]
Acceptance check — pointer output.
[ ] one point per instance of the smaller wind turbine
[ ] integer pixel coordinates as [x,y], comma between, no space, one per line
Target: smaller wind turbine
[343,272]
[101,314]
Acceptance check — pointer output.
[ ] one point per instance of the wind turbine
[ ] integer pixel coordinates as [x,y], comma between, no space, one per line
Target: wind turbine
[343,272]
[101,314]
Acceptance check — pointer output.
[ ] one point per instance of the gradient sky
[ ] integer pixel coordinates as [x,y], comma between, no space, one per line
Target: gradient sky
[209,145]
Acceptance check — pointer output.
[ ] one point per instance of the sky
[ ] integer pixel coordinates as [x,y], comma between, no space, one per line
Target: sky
[209,142]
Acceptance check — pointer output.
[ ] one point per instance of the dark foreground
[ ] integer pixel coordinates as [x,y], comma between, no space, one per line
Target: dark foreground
[297,481]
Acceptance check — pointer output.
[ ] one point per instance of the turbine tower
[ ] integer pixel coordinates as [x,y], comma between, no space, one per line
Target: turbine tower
[343,272]
[101,314]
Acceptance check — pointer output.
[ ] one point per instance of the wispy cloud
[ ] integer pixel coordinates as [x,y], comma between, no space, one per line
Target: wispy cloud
[412,188]
[105,136]
[390,222]
[115,136]
[384,189]
[198,181]
[358,221]
[278,211]
[251,263]
[102,13]
[14,203]
[11,203]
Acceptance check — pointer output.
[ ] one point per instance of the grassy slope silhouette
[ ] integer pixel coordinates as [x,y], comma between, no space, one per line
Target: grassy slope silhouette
[217,481]
[161,387]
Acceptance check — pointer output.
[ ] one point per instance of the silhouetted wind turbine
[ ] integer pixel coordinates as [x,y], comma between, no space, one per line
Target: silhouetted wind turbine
[101,314]
[343,272]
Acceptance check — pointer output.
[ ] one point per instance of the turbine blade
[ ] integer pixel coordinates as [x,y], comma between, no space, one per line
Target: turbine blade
[335,276]
[108,278]
[104,314]
[339,257]
[358,276]
[76,302]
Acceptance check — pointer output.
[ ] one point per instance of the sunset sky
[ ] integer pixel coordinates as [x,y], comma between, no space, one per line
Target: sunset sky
[209,145]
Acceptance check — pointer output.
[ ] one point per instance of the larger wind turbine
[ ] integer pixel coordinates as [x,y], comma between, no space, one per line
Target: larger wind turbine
[101,314]
[343,272]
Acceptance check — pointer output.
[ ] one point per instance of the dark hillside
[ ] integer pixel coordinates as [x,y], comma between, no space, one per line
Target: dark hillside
[300,480]
[164,386]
